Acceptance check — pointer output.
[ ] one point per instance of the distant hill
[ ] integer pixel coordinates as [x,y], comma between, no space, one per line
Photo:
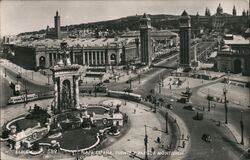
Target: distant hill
[160,21]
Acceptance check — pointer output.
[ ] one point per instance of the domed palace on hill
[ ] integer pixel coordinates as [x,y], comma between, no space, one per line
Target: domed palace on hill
[221,20]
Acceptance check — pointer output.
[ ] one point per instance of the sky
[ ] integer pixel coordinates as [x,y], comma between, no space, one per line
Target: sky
[22,15]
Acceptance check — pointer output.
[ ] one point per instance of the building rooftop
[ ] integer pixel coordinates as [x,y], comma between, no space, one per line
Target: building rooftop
[81,42]
[237,39]
[154,33]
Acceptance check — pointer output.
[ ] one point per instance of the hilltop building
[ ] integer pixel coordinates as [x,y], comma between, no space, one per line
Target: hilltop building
[220,20]
[56,33]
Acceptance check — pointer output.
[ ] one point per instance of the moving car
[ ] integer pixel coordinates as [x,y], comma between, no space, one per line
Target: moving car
[182,100]
[189,107]
[169,106]
[206,138]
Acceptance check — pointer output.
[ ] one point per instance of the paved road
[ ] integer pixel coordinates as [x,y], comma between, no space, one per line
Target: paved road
[223,145]
[7,91]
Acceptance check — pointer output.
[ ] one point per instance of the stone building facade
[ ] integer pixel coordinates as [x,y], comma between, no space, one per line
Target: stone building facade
[90,51]
[185,43]
[234,55]
[145,37]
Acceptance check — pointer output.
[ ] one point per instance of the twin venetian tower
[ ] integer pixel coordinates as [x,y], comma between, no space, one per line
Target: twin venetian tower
[185,37]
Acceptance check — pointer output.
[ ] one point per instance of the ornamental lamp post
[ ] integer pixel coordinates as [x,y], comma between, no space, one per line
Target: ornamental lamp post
[209,99]
[242,128]
[130,83]
[166,118]
[139,78]
[146,143]
[159,87]
[225,102]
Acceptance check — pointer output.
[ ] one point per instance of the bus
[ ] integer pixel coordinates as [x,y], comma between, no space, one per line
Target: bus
[124,95]
[22,98]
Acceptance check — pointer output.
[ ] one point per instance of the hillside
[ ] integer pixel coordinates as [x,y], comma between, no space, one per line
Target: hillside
[161,21]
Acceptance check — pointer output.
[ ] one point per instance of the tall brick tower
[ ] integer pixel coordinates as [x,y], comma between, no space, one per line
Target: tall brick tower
[57,26]
[145,37]
[185,36]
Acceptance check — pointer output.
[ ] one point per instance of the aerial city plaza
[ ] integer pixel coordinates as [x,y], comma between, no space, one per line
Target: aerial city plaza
[170,81]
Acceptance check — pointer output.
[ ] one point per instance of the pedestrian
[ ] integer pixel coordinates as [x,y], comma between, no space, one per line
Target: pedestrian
[158,140]
[152,150]
[182,136]
[134,111]
[183,144]
[162,146]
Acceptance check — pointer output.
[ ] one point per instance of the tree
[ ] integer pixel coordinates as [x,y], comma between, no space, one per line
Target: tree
[117,110]
[35,146]
[5,134]
[161,100]
[152,91]
[113,129]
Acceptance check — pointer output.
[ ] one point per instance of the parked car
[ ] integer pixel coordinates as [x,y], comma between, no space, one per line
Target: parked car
[128,90]
[199,116]
[189,107]
[169,106]
[206,138]
[106,81]
[182,100]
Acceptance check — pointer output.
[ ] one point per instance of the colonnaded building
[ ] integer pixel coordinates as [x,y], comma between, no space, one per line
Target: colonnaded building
[91,51]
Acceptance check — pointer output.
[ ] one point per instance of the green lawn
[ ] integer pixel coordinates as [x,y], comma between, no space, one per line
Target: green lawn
[23,124]
[75,139]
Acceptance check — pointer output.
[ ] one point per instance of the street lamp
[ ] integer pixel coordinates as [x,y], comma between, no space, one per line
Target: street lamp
[146,143]
[209,98]
[130,83]
[159,87]
[166,118]
[225,102]
[139,78]
[242,127]
[5,72]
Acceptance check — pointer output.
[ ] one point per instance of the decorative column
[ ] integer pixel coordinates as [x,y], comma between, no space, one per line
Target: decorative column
[100,57]
[83,58]
[56,94]
[76,91]
[73,57]
[96,58]
[90,62]
[92,58]
[87,57]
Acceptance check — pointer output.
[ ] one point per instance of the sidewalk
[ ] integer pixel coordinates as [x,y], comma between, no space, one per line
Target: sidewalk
[180,151]
[237,135]
[235,94]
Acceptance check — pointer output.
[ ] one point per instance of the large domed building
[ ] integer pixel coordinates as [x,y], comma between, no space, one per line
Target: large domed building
[220,20]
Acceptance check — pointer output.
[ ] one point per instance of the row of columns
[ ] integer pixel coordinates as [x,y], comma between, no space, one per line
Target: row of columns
[89,58]
[94,58]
